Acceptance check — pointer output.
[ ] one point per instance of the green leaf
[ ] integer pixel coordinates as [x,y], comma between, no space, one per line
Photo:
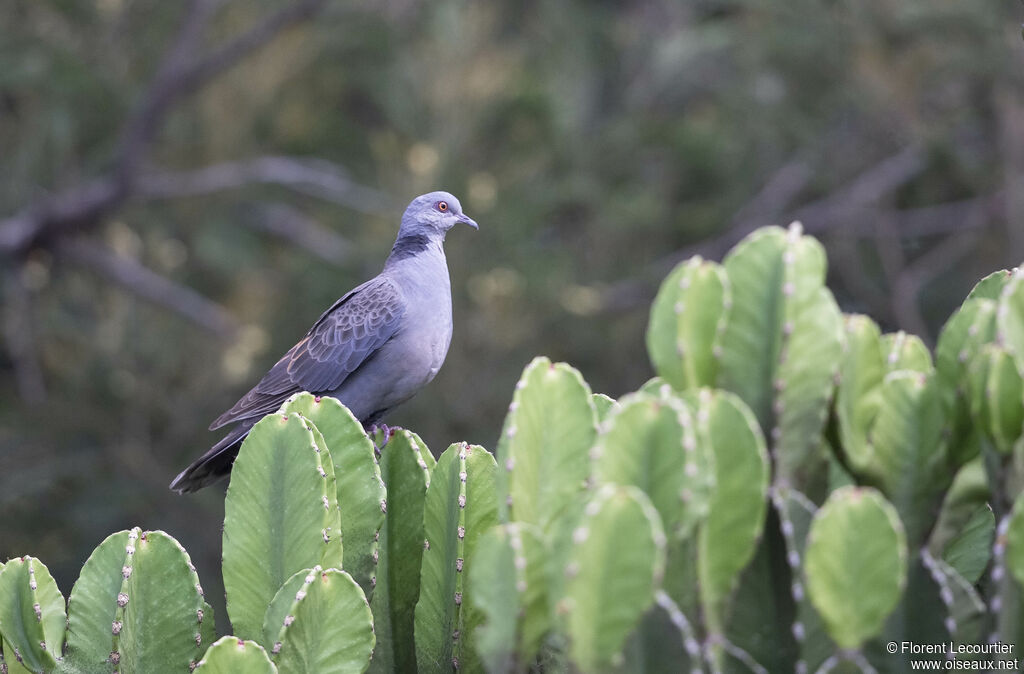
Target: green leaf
[277,516]
[651,443]
[461,504]
[328,628]
[856,564]
[32,618]
[545,442]
[361,493]
[404,467]
[687,318]
[231,655]
[508,584]
[616,563]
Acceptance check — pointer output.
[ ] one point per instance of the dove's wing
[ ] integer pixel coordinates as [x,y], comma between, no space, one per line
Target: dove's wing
[344,337]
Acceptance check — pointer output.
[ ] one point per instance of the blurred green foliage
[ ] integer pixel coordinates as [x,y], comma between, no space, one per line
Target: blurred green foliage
[597,143]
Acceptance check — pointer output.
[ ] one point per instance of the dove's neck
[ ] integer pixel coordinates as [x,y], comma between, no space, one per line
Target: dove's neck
[412,245]
[420,255]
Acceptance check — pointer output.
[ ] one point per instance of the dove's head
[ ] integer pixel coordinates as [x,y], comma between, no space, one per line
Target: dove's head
[434,214]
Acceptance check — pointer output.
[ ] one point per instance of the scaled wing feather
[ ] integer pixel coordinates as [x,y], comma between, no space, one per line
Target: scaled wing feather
[344,337]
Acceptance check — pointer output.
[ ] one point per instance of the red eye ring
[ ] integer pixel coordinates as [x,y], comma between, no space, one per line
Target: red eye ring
[442,206]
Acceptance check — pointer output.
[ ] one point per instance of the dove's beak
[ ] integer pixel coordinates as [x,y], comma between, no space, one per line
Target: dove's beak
[466,220]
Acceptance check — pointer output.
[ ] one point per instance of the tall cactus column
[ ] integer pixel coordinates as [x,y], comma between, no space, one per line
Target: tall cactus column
[405,469]
[461,504]
[780,352]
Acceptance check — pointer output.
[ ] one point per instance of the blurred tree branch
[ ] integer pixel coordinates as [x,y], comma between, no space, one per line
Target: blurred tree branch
[183,69]
[179,74]
[854,212]
[147,284]
[772,205]
[295,227]
[864,191]
[19,336]
[311,177]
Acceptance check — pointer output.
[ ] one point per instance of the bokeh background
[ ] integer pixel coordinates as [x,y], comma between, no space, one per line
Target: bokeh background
[185,186]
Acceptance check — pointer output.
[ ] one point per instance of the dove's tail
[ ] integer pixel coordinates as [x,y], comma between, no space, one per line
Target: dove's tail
[214,464]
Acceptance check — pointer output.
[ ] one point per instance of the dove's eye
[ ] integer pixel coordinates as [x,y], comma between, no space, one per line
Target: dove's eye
[442,206]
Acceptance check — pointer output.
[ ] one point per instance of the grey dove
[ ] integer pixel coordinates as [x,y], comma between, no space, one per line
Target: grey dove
[375,348]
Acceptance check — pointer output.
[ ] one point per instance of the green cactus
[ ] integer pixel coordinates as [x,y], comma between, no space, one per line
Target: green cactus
[1010,317]
[905,352]
[858,395]
[278,516]
[616,563]
[963,535]
[1015,541]
[727,538]
[334,550]
[12,664]
[404,466]
[461,504]
[664,642]
[910,449]
[361,493]
[657,387]
[997,397]
[231,655]
[32,619]
[508,584]
[781,347]
[687,320]
[797,513]
[961,339]
[964,610]
[891,411]
[634,533]
[138,607]
[651,443]
[970,550]
[545,443]
[603,405]
[323,624]
[856,564]
[1007,576]
[279,613]
[991,286]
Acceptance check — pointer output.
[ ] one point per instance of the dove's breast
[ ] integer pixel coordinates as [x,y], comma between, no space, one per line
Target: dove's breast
[415,353]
